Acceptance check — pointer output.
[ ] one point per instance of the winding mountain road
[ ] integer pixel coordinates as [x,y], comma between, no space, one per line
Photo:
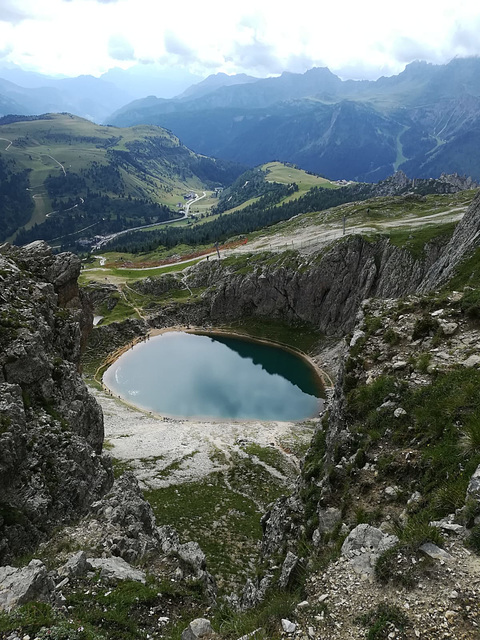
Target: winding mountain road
[59,163]
[112,236]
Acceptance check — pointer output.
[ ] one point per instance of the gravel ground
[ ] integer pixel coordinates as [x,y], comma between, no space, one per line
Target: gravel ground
[164,451]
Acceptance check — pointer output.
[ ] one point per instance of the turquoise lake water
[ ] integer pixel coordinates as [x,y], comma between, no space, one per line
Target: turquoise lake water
[189,375]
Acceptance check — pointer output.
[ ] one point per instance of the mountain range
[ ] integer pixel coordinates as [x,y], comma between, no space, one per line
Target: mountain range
[425,120]
[29,93]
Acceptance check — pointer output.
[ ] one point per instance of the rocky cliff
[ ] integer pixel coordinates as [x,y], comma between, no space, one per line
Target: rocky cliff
[51,428]
[396,454]
[324,290]
[464,241]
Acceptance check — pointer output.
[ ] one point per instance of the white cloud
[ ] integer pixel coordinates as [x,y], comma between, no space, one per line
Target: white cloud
[406,49]
[7,49]
[12,13]
[257,56]
[119,48]
[175,45]
[355,39]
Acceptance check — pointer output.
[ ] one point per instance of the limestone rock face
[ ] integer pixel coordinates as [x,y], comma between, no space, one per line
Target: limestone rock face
[328,519]
[51,428]
[290,568]
[124,521]
[75,566]
[473,489]
[281,524]
[326,290]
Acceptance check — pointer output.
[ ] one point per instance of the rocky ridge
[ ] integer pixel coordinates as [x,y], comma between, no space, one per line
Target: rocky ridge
[51,429]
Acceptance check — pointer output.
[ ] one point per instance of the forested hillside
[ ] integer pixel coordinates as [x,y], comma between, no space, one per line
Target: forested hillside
[276,204]
[68,179]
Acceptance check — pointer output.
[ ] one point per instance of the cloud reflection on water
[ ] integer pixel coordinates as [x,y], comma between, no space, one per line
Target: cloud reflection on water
[191,375]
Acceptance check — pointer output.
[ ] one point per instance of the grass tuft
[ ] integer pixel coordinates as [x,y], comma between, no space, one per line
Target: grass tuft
[384,619]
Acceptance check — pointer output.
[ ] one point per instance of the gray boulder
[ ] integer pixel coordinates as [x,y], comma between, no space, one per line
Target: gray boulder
[198,628]
[472,361]
[28,584]
[288,626]
[114,569]
[364,545]
[75,566]
[191,554]
[434,552]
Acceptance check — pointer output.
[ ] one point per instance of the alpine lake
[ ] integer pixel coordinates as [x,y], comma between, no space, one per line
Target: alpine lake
[190,375]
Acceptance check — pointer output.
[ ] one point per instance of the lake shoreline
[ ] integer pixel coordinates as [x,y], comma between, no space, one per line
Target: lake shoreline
[230,376]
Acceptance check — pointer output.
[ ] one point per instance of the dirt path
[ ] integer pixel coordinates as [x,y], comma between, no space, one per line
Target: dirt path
[127,302]
[313,236]
[59,163]
[9,145]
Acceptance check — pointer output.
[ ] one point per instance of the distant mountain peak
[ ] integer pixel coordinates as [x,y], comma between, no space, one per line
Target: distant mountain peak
[215,81]
[317,71]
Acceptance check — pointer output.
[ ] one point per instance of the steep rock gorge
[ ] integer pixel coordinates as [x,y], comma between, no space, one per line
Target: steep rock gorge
[324,289]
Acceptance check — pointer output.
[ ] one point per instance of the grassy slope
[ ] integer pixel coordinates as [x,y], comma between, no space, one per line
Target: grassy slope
[33,145]
[376,213]
[285,174]
[129,275]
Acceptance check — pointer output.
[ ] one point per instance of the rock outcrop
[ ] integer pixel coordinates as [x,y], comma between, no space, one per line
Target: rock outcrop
[363,546]
[400,184]
[464,241]
[19,586]
[122,525]
[325,290]
[51,428]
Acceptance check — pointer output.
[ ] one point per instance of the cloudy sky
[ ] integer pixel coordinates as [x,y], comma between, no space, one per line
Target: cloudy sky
[355,39]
